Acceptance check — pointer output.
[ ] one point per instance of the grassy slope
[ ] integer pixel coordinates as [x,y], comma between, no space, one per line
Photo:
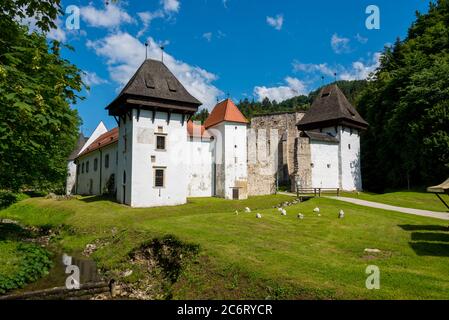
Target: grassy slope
[316,257]
[9,258]
[408,199]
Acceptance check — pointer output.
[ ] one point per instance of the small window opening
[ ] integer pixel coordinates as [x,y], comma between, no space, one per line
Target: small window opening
[159,178]
[160,142]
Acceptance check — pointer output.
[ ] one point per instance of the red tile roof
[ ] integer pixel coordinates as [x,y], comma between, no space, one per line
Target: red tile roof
[200,131]
[104,140]
[225,111]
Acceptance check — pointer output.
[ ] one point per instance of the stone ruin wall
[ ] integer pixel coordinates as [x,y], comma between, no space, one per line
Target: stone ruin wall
[304,158]
[267,168]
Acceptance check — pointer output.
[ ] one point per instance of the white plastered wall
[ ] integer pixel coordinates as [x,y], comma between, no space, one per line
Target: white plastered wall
[351,177]
[172,160]
[200,167]
[324,156]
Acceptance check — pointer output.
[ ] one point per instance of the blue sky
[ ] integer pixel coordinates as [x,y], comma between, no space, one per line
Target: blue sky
[244,48]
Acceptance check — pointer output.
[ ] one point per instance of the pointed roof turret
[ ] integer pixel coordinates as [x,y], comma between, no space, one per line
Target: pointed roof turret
[331,108]
[225,111]
[155,86]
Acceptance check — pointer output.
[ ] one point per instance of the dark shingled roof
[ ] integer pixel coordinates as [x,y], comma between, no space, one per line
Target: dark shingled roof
[320,136]
[153,81]
[79,145]
[331,108]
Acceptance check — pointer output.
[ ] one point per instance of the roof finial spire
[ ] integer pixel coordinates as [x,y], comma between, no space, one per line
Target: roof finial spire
[162,51]
[146,50]
[322,80]
[335,76]
[227,95]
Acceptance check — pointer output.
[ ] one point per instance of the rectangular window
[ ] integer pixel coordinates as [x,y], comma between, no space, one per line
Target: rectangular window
[87,167]
[106,161]
[82,167]
[159,178]
[95,164]
[160,142]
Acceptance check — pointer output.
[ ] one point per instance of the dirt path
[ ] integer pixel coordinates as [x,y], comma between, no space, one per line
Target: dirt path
[418,212]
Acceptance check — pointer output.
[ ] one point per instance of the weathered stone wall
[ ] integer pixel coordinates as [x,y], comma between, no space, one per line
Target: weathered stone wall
[303,176]
[262,163]
[278,134]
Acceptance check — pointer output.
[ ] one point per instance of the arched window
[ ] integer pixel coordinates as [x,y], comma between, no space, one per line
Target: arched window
[87,167]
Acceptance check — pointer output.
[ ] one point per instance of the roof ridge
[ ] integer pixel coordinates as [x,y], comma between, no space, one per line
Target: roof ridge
[331,108]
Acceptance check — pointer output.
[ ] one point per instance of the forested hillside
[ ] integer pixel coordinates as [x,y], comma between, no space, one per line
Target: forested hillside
[407,106]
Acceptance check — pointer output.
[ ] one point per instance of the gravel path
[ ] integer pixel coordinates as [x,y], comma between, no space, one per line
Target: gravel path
[418,212]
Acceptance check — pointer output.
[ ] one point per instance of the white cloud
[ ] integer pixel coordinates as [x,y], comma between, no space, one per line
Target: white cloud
[109,17]
[276,22]
[168,7]
[146,18]
[125,53]
[225,3]
[361,70]
[361,39]
[171,5]
[322,68]
[293,87]
[207,36]
[92,79]
[340,45]
[57,33]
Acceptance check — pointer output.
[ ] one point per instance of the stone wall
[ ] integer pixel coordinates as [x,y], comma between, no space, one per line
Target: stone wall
[303,176]
[275,152]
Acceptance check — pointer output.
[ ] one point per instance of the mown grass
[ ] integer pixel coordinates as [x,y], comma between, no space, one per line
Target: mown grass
[276,256]
[407,199]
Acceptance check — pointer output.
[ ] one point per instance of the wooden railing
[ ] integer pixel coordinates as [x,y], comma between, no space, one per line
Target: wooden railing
[317,191]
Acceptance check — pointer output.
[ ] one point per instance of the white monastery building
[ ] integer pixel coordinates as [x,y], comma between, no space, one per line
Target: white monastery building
[156,156]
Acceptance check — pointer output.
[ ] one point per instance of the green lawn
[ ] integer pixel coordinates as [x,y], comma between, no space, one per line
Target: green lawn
[276,256]
[408,199]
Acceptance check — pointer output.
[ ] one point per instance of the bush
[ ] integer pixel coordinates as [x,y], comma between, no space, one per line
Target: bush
[7,198]
[33,263]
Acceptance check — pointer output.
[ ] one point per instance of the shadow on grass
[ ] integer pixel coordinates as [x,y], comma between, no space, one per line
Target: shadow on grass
[90,199]
[435,242]
[430,236]
[430,249]
[417,227]
[13,232]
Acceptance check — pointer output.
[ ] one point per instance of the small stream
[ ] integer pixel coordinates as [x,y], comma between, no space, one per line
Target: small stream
[57,274]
